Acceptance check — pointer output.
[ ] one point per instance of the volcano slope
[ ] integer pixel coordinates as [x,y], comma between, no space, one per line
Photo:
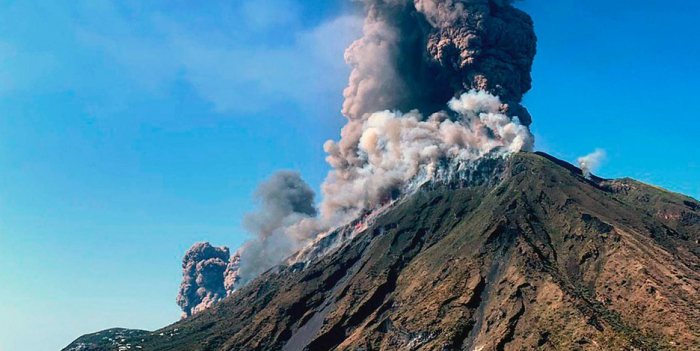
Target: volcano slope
[524,254]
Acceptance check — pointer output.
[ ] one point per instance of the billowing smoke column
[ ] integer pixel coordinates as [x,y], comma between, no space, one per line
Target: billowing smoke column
[285,202]
[395,149]
[202,277]
[416,55]
[591,162]
[435,85]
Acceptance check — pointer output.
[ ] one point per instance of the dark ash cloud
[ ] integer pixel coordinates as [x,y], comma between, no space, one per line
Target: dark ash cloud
[202,285]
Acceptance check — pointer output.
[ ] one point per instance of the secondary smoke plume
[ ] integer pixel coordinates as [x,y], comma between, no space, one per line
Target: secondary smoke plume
[202,277]
[418,54]
[591,162]
[285,201]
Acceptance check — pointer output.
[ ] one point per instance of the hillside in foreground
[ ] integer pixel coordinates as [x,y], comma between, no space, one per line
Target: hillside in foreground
[524,254]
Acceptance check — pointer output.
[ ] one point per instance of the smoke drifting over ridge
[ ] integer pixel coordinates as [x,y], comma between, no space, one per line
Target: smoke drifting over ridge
[591,162]
[435,85]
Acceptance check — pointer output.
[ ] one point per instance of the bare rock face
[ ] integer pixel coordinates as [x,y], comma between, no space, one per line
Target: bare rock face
[528,254]
[202,277]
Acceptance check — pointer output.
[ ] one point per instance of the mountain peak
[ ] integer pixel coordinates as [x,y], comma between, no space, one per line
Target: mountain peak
[532,254]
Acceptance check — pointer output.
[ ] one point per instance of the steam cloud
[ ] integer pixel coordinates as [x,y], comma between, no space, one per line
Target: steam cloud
[202,277]
[591,162]
[435,85]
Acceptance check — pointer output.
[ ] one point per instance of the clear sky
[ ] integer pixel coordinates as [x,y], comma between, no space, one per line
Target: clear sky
[130,130]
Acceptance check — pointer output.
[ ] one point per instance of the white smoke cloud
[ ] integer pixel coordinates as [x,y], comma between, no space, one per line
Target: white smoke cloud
[592,162]
[395,147]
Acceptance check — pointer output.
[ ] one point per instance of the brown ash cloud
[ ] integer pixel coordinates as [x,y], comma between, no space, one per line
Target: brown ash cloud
[202,285]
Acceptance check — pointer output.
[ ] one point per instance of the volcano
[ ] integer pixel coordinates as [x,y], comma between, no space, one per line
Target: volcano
[524,252]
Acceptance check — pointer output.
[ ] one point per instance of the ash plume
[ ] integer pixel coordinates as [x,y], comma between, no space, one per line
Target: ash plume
[591,162]
[418,54]
[435,85]
[415,56]
[202,285]
[286,201]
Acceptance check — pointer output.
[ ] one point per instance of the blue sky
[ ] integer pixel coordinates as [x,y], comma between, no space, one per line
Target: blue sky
[129,131]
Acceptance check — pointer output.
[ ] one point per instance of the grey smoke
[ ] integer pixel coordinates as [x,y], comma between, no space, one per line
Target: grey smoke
[202,285]
[210,273]
[232,275]
[285,200]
